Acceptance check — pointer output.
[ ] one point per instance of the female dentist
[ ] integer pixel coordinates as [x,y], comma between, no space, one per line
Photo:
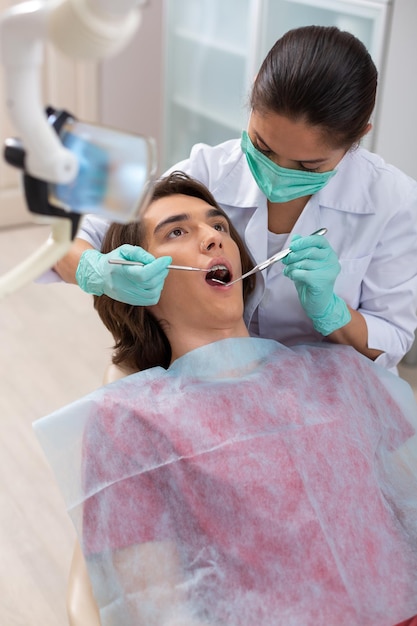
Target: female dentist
[297,168]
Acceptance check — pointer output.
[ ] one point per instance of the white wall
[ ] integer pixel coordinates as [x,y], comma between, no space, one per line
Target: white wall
[131,83]
[396,125]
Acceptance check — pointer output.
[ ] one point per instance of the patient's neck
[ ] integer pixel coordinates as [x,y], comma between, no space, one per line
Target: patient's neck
[185,339]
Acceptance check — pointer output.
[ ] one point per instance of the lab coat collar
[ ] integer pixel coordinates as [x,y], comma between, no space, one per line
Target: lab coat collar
[348,190]
[237,188]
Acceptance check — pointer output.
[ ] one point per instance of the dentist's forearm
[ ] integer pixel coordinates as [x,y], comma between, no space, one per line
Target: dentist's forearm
[355,334]
[67,266]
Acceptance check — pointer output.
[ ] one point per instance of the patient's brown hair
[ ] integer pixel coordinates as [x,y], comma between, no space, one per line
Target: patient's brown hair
[140,342]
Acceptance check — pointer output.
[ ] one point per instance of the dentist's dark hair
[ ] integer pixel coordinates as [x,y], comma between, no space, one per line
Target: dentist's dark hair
[140,341]
[323,76]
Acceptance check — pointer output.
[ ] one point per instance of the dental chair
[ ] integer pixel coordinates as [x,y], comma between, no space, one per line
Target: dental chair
[81,606]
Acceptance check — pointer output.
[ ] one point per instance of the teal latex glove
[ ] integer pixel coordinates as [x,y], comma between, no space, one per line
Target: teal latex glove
[132,284]
[313,266]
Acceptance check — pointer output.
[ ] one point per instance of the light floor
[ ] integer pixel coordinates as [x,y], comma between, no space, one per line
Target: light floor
[54,350]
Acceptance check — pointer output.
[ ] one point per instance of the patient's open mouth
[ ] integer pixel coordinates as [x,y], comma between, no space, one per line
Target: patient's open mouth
[218,274]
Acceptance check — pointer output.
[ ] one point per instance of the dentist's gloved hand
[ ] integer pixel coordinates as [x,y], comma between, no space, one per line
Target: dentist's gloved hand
[313,266]
[132,284]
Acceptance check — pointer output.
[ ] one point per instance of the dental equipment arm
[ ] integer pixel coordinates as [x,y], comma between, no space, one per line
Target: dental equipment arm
[81,29]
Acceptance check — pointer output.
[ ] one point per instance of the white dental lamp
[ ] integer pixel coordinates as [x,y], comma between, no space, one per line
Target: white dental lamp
[86,30]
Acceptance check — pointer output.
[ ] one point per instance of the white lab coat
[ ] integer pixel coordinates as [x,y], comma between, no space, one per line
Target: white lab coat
[370,211]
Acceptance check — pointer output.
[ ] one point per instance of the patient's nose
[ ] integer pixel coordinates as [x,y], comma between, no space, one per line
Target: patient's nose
[210,239]
[207,245]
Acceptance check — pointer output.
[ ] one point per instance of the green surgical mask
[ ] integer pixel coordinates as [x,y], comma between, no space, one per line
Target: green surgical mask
[281,184]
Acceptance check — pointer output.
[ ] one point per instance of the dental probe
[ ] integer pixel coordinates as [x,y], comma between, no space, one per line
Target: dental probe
[273,259]
[171,267]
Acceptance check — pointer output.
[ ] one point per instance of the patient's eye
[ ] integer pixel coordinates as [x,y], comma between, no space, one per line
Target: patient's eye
[222,227]
[176,232]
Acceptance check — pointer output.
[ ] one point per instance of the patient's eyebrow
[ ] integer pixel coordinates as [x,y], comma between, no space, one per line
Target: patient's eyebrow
[215,213]
[183,217]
